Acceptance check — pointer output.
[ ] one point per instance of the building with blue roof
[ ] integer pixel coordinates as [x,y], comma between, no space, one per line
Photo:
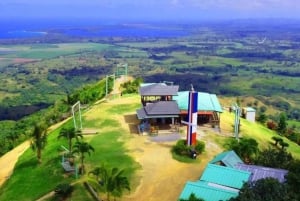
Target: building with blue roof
[208,191]
[225,176]
[209,108]
[206,102]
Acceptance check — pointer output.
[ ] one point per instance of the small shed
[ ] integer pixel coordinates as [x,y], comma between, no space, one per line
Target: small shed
[249,114]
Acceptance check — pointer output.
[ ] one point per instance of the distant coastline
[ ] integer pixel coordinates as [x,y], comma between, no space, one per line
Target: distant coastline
[35,28]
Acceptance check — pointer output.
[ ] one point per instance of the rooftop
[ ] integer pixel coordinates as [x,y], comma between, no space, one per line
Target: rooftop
[228,158]
[206,101]
[207,191]
[249,109]
[225,176]
[158,89]
[260,172]
[159,109]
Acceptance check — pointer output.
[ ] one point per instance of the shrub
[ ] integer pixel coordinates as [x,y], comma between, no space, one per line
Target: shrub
[184,150]
[200,146]
[271,125]
[180,148]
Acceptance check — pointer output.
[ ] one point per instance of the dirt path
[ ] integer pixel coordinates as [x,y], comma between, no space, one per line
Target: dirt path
[9,160]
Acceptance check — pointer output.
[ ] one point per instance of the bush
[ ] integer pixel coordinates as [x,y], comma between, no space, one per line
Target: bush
[200,146]
[180,148]
[183,150]
[271,125]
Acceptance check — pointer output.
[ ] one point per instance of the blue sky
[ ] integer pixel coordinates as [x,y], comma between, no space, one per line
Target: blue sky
[150,9]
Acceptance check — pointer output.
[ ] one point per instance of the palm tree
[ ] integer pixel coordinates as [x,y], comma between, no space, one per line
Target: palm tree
[111,180]
[39,140]
[82,148]
[70,133]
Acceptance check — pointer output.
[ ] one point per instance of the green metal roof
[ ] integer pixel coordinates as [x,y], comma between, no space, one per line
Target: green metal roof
[206,101]
[207,191]
[225,176]
[228,158]
[250,109]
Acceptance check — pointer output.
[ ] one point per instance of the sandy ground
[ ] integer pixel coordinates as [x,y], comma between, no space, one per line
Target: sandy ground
[162,177]
[8,161]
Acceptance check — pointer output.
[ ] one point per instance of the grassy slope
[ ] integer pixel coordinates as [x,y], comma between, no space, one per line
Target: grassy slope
[256,131]
[28,181]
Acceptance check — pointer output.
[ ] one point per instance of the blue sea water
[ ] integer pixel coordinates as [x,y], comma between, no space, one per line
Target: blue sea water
[21,34]
[121,31]
[39,28]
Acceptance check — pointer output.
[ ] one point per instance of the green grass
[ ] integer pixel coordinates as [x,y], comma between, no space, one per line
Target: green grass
[28,180]
[259,132]
[123,108]
[50,51]
[32,180]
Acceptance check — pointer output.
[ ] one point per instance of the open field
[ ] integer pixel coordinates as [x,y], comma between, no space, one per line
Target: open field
[229,63]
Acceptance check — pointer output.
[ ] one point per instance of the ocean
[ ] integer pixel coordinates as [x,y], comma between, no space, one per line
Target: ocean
[86,28]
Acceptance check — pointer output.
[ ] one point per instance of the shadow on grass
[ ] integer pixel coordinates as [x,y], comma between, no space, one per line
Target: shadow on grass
[132,123]
[31,162]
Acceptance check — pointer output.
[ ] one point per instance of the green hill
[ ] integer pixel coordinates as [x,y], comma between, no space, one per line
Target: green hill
[31,180]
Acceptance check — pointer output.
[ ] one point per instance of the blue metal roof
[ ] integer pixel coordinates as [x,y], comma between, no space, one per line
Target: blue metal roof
[260,172]
[207,191]
[225,176]
[228,158]
[206,101]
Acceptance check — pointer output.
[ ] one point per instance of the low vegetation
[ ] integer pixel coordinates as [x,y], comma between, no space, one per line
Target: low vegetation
[183,152]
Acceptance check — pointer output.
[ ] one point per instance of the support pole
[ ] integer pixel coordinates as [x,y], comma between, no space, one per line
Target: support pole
[191,137]
[74,118]
[106,84]
[237,112]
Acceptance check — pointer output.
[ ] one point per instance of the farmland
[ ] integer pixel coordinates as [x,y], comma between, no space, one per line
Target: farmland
[231,59]
[255,65]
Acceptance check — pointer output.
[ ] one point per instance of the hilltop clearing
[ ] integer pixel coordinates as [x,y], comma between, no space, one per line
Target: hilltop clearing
[153,173]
